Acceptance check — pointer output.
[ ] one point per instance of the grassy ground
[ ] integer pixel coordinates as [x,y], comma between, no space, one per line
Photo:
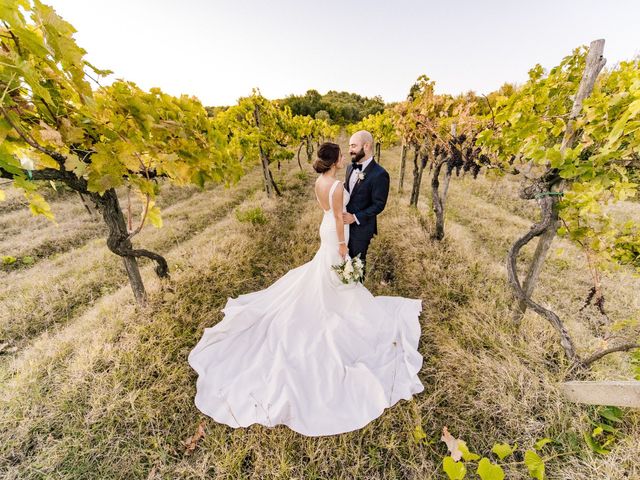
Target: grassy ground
[99,388]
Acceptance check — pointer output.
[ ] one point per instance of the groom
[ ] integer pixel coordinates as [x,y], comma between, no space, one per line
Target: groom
[368,186]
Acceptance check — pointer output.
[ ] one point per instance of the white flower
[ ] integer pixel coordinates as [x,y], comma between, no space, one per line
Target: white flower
[348,268]
[360,175]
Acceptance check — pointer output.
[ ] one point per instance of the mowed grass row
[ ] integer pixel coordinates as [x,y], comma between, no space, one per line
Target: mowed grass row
[565,280]
[32,239]
[72,419]
[55,290]
[24,235]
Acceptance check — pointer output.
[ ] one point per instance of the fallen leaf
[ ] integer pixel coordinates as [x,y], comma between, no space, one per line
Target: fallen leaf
[192,442]
[452,444]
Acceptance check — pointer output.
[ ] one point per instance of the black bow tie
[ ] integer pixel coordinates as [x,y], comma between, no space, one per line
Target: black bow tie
[356,165]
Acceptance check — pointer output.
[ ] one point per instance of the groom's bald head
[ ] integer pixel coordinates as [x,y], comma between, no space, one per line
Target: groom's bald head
[360,145]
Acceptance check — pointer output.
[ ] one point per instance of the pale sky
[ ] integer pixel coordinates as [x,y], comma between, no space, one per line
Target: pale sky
[219,50]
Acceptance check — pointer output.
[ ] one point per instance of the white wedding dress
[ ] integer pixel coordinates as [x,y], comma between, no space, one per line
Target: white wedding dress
[309,352]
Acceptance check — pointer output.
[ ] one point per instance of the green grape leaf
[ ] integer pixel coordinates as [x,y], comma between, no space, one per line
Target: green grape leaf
[594,445]
[535,464]
[503,450]
[454,470]
[466,454]
[419,434]
[613,414]
[542,442]
[489,471]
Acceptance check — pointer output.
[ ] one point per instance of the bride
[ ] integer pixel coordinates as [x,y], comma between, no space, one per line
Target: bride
[310,352]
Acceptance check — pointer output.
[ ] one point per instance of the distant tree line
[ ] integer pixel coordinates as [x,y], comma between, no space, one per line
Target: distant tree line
[337,107]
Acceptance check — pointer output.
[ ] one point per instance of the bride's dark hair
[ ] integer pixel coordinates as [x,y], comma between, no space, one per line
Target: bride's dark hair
[328,154]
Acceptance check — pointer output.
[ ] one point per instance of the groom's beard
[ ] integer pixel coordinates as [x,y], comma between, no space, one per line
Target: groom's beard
[356,157]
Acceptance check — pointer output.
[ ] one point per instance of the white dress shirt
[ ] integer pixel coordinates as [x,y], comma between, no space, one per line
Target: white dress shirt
[354,178]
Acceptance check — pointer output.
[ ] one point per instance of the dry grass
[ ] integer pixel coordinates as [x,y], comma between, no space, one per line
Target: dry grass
[56,289]
[564,282]
[109,393]
[22,234]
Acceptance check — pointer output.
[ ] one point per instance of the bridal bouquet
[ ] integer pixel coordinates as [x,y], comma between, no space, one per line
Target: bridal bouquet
[350,270]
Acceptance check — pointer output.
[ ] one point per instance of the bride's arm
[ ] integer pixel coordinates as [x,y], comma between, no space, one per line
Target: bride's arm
[336,200]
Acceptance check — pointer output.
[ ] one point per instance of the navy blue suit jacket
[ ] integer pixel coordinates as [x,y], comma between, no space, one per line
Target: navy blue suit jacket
[368,199]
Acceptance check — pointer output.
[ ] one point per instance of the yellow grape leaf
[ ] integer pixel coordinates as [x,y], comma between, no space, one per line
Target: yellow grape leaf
[39,205]
[542,442]
[75,165]
[70,133]
[192,442]
[634,107]
[153,214]
[452,444]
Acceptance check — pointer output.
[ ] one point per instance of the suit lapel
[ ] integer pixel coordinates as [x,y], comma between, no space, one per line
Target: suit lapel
[366,171]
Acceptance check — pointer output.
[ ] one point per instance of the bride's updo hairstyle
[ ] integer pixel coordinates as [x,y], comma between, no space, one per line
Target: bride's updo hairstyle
[328,154]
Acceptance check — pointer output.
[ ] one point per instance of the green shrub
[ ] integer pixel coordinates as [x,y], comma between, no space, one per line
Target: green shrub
[253,215]
[8,260]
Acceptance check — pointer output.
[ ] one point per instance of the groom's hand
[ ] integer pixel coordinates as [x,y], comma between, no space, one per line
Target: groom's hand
[348,218]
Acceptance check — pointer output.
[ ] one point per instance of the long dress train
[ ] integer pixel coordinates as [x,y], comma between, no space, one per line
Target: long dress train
[309,352]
